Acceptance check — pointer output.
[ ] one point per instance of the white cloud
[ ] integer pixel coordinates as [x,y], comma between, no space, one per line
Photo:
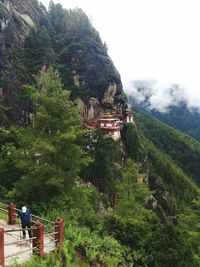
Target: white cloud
[157,39]
[156,95]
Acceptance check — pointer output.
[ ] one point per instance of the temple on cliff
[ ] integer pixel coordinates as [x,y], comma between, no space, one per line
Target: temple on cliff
[129,115]
[109,121]
[110,126]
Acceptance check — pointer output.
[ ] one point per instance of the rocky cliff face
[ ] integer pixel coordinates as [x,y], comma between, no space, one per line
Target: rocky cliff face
[31,37]
[85,57]
[26,12]
[93,69]
[17,18]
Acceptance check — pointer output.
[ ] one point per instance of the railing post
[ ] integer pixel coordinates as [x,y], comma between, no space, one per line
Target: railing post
[59,229]
[38,233]
[115,200]
[12,213]
[1,247]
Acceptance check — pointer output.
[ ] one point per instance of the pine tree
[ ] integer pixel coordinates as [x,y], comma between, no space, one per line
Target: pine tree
[55,157]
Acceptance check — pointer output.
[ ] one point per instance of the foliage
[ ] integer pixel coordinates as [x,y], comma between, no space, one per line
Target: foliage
[61,170]
[103,171]
[139,230]
[38,50]
[174,179]
[132,141]
[130,192]
[189,220]
[173,160]
[181,118]
[184,150]
[55,134]
[170,247]
[101,249]
[178,114]
[13,155]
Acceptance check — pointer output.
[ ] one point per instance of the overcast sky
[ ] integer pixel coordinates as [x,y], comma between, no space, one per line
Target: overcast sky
[157,39]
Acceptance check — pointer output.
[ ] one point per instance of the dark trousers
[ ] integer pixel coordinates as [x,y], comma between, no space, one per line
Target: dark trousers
[28,225]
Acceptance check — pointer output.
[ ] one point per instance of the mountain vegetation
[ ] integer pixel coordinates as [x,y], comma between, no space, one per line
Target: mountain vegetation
[183,149]
[49,162]
[182,118]
[174,110]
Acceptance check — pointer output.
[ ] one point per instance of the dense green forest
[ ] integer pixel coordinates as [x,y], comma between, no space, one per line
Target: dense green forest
[49,162]
[131,235]
[183,149]
[182,118]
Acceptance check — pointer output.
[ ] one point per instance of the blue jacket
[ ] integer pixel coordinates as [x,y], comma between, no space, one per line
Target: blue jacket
[25,216]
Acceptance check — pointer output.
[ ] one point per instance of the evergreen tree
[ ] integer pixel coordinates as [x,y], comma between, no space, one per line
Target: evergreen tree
[54,158]
[132,142]
[103,170]
[38,50]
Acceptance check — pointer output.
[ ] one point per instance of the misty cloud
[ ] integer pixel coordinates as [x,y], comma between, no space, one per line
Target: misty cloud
[155,95]
[168,50]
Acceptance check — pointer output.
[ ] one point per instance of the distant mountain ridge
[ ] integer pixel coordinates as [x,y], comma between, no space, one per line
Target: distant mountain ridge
[181,118]
[171,108]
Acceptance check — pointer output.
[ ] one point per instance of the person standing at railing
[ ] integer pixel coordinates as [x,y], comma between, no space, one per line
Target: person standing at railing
[25,218]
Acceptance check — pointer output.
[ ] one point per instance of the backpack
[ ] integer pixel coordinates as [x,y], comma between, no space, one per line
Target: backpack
[25,216]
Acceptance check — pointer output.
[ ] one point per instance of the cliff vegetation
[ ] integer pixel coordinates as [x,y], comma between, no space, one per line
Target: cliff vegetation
[50,162]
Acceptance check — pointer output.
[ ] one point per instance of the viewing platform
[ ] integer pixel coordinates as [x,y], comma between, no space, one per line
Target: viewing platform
[14,249]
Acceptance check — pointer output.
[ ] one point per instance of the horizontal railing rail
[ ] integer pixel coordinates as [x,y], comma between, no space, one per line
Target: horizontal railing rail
[20,252]
[50,234]
[3,204]
[19,241]
[3,209]
[19,229]
[50,243]
[42,219]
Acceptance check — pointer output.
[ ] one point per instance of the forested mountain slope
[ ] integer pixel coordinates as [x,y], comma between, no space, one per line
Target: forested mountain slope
[182,149]
[50,60]
[171,106]
[181,118]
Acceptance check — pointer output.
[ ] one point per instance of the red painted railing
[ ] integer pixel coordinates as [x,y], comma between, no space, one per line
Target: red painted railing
[2,247]
[38,231]
[12,216]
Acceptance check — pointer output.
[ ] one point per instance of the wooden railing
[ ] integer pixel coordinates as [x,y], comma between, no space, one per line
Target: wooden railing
[38,233]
